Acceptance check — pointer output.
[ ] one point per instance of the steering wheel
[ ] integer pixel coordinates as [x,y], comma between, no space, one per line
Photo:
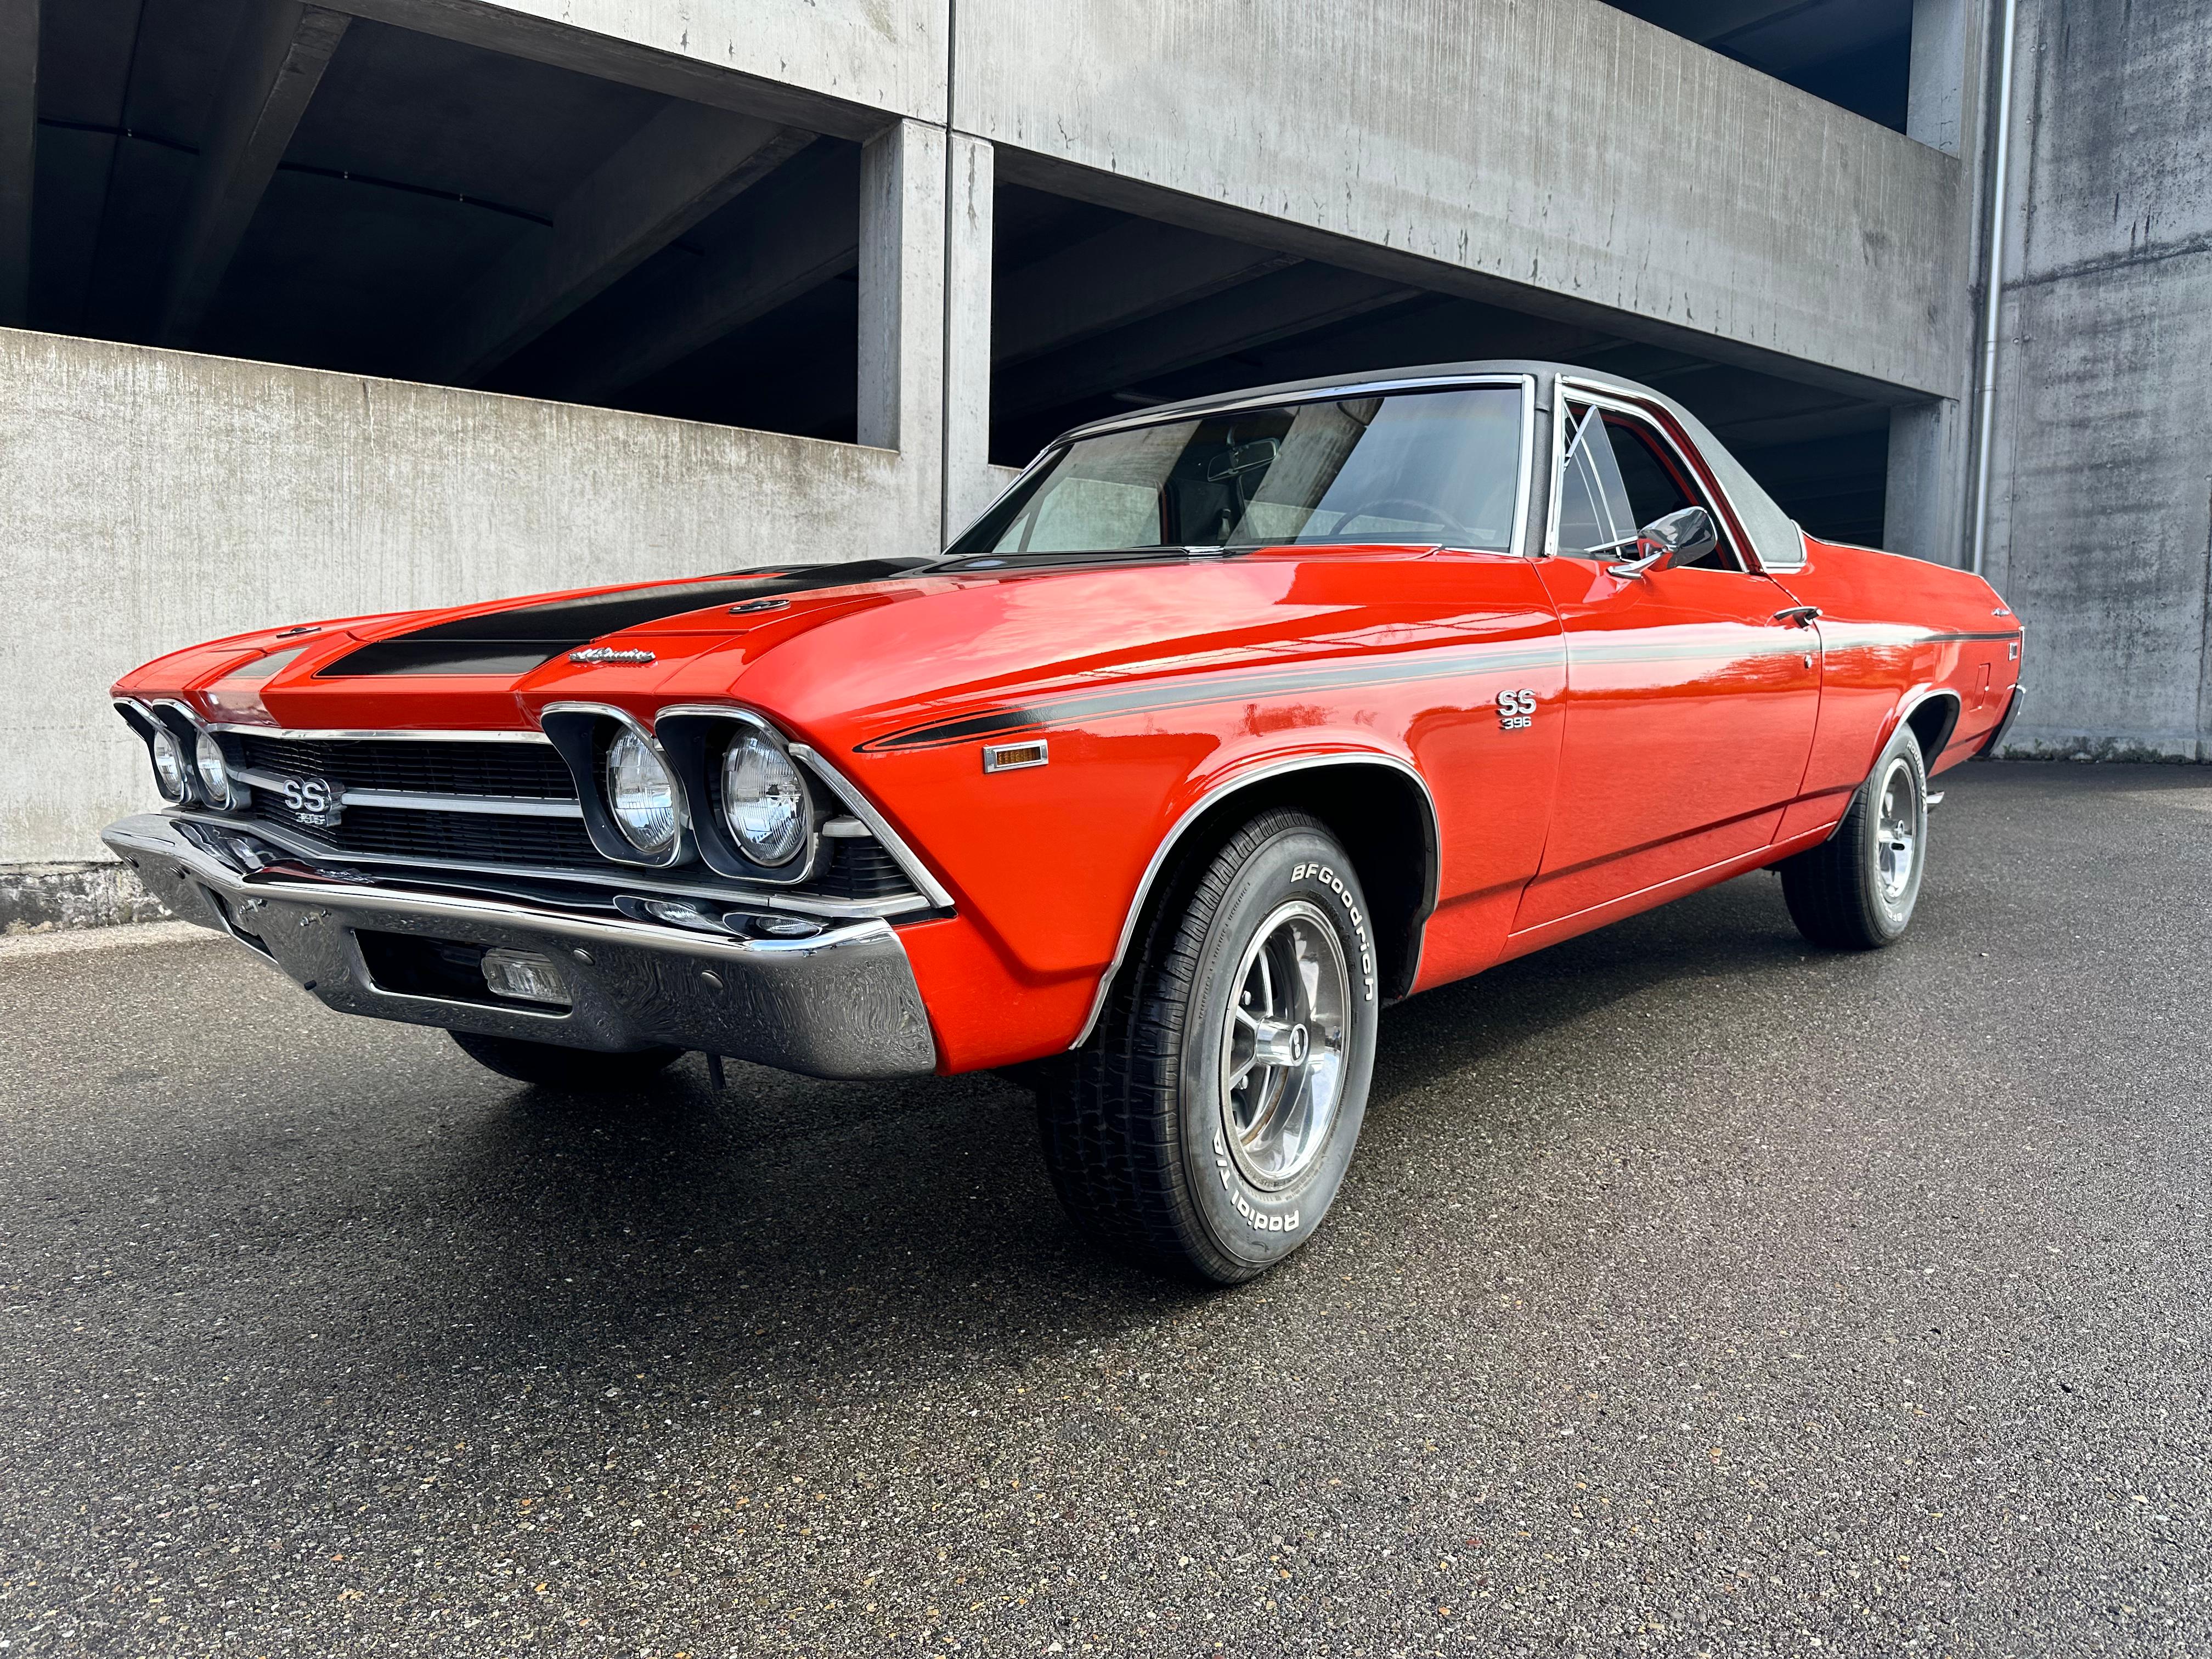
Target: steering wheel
[1424,512]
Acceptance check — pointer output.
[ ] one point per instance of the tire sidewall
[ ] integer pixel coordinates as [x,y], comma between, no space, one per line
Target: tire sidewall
[1253,1226]
[1890,919]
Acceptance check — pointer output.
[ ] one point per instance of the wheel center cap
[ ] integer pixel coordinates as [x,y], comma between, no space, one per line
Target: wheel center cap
[1299,1044]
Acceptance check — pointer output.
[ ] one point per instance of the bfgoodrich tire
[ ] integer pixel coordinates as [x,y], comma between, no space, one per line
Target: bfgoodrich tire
[584,1071]
[1206,1126]
[1858,889]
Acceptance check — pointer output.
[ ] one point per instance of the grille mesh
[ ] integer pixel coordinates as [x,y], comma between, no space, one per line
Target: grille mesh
[474,837]
[518,771]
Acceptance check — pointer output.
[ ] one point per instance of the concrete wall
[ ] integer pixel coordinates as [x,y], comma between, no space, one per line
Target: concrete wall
[153,498]
[2102,523]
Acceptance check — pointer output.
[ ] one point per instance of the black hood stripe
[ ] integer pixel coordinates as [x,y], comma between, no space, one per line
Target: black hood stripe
[515,642]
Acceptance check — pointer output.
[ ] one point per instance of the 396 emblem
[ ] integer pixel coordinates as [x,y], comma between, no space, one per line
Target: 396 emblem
[1514,710]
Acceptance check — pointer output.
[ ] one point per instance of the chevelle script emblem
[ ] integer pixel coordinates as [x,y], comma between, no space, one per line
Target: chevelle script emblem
[320,801]
[608,653]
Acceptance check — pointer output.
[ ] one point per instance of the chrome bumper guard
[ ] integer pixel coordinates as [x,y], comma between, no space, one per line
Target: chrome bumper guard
[842,1004]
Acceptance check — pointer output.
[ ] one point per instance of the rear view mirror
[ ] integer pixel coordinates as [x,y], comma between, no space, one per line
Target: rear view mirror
[1680,538]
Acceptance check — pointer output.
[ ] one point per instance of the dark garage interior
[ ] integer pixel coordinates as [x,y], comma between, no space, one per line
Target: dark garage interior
[418,170]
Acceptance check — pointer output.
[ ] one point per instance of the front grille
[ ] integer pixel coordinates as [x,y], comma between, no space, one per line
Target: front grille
[859,869]
[517,771]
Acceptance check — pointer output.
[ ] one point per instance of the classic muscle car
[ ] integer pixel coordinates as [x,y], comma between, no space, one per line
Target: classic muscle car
[1232,721]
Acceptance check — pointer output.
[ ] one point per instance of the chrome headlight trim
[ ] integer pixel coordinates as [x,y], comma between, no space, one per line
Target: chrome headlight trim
[576,729]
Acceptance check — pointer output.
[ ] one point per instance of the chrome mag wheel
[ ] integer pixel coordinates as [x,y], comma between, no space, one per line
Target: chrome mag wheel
[1897,830]
[1283,1045]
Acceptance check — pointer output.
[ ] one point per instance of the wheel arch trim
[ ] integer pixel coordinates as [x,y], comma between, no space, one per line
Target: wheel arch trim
[1217,794]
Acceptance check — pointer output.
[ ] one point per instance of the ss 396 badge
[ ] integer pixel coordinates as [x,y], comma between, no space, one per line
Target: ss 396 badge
[1514,710]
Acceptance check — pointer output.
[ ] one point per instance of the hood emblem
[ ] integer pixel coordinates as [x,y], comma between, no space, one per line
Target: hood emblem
[759,605]
[594,653]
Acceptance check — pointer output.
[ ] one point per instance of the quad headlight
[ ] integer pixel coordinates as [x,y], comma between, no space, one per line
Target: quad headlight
[215,775]
[641,794]
[764,800]
[169,764]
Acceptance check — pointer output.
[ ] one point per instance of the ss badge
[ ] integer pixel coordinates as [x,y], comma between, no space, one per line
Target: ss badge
[317,801]
[1514,710]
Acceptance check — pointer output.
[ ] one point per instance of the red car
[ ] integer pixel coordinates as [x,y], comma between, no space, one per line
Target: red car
[1232,721]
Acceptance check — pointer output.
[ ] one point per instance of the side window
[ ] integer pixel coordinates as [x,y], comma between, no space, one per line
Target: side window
[1617,476]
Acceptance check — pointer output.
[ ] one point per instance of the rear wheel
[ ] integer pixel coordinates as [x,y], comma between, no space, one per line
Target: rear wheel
[585,1071]
[1206,1126]
[1858,889]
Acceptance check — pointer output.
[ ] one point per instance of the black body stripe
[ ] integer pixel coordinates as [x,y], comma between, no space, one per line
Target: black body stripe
[517,641]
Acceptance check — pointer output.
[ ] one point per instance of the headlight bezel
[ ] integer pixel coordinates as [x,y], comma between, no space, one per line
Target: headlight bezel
[583,734]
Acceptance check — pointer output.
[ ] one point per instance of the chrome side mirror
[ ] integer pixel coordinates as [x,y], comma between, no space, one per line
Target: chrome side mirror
[1682,538]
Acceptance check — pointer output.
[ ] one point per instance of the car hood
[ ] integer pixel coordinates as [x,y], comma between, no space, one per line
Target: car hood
[847,654]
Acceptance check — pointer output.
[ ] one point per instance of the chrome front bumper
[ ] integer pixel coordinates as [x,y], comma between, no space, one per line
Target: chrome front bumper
[842,1004]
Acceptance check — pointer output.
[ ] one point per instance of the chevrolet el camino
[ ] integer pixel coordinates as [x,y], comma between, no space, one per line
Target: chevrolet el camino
[1232,722]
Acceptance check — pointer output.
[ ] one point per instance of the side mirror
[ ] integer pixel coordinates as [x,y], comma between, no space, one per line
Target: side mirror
[1681,538]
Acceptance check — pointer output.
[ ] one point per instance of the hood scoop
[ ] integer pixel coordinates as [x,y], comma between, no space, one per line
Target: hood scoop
[514,641]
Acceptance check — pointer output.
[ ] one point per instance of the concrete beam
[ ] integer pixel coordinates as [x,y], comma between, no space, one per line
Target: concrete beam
[680,167]
[1562,158]
[277,61]
[831,69]
[19,144]
[794,243]
[1275,307]
[1707,21]
[1122,275]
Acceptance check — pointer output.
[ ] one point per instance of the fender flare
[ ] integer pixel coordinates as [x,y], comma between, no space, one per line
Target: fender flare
[1223,790]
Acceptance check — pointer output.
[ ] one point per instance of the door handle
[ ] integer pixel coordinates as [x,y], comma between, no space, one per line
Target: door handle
[1799,616]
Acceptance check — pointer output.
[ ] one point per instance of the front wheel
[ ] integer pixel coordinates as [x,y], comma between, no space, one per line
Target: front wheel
[1206,1126]
[1857,890]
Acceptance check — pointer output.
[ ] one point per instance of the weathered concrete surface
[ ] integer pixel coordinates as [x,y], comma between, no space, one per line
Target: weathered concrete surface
[153,498]
[1692,1292]
[38,898]
[2101,527]
[1561,156]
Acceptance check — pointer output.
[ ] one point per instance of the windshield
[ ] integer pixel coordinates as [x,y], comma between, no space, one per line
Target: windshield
[1426,467]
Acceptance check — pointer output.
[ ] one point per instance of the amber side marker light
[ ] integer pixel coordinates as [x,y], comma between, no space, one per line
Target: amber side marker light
[1012,756]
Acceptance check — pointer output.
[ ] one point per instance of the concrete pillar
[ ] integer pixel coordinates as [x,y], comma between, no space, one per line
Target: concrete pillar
[902,379]
[1939,97]
[925,384]
[901,286]
[970,482]
[19,144]
[1923,515]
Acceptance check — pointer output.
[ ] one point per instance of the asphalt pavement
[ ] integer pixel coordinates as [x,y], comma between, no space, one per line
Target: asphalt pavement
[1693,1292]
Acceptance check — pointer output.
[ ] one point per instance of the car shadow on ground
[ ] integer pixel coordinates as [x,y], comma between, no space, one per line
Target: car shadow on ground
[790,1227]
